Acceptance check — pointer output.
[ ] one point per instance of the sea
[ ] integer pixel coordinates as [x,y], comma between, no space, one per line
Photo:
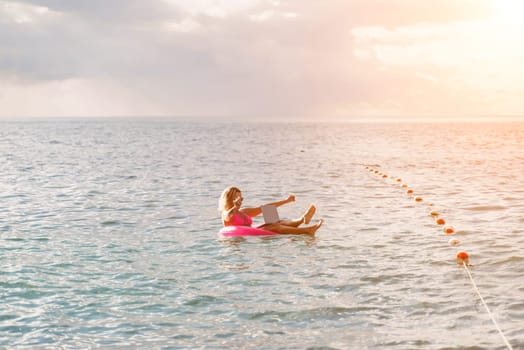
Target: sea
[109,235]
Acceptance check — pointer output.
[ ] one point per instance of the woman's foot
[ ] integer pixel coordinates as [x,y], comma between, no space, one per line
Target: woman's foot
[309,214]
[312,229]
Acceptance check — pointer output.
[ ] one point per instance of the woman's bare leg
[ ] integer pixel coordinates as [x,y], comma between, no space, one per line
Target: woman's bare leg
[291,223]
[309,214]
[304,219]
[284,229]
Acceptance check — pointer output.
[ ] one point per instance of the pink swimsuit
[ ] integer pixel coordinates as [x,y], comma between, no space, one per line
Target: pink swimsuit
[240,219]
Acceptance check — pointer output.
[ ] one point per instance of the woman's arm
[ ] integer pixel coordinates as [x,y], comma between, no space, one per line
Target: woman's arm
[289,199]
[258,210]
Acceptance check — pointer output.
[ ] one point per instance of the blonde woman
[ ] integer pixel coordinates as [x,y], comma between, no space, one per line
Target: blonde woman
[233,214]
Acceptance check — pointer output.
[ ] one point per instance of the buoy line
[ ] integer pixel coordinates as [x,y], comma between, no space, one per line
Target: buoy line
[486,307]
[462,256]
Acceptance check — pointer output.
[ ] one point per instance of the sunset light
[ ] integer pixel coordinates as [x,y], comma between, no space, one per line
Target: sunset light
[509,11]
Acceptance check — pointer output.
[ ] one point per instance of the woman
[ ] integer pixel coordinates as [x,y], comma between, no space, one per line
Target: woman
[233,215]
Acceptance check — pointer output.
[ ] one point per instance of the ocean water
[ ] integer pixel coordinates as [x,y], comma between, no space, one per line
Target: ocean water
[108,236]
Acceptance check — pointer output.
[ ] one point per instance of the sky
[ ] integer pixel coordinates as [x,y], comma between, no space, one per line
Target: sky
[268,59]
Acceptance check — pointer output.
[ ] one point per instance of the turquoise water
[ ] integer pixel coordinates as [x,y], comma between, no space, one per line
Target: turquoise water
[108,236]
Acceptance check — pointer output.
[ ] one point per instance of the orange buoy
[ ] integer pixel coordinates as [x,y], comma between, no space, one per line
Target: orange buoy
[462,258]
[399,180]
[410,191]
[384,176]
[434,213]
[454,241]
[440,221]
[418,199]
[404,185]
[449,230]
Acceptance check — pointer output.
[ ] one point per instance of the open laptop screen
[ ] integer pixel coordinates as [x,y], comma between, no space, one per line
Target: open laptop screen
[270,214]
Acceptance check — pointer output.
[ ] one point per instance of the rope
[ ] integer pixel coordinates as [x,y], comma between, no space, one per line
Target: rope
[486,306]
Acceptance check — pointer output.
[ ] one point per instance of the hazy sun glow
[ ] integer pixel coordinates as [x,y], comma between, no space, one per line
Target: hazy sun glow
[509,11]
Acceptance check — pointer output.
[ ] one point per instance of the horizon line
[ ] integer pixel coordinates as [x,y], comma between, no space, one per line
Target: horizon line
[275,119]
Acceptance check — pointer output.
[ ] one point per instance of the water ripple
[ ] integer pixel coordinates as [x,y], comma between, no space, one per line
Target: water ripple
[108,236]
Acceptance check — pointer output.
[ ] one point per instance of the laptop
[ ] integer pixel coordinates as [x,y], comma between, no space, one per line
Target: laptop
[270,214]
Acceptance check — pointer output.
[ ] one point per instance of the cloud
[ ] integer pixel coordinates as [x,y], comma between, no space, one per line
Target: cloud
[252,57]
[69,97]
[183,26]
[213,8]
[475,60]
[20,13]
[106,12]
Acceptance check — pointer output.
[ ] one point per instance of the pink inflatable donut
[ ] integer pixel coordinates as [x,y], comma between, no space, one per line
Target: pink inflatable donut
[237,231]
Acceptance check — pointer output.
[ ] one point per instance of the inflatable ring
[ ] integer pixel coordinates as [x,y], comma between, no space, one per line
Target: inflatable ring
[238,231]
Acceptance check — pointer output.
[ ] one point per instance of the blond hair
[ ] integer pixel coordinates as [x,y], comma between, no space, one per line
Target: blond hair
[226,199]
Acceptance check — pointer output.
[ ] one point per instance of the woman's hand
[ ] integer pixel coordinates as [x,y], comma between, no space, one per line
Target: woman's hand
[291,198]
